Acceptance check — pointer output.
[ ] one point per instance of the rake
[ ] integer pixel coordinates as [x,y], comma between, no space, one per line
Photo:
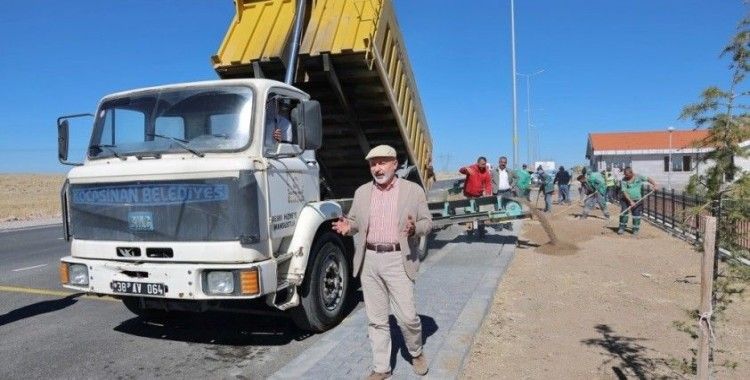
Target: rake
[630,208]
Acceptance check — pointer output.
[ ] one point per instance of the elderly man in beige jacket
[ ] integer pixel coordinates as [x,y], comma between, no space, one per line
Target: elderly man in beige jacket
[387,218]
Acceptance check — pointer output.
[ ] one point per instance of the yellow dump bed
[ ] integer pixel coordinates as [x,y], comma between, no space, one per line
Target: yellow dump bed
[352,60]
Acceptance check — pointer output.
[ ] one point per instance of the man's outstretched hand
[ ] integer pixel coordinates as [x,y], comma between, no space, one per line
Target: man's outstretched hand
[342,226]
[410,228]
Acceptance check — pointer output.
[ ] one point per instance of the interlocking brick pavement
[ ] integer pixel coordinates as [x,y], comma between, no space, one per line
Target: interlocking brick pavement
[454,289]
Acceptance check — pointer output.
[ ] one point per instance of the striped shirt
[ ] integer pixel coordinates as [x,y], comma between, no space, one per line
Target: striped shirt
[383,227]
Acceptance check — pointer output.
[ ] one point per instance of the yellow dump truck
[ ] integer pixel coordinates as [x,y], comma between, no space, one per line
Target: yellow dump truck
[353,60]
[220,195]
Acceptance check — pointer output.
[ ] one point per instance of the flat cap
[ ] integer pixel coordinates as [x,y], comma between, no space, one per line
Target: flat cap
[381,151]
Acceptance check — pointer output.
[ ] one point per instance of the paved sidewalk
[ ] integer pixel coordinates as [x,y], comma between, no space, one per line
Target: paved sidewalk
[454,290]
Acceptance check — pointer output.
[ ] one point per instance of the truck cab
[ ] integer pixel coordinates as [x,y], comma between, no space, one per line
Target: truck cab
[186,198]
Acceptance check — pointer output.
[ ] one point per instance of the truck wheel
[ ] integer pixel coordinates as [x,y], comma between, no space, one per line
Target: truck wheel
[325,291]
[134,305]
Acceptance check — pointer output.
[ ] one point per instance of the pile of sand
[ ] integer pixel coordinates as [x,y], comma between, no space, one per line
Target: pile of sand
[560,233]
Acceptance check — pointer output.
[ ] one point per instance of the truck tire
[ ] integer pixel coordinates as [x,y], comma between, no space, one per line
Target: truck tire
[325,292]
[134,305]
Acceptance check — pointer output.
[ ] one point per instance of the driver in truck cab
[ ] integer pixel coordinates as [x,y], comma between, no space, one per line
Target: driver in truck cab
[278,121]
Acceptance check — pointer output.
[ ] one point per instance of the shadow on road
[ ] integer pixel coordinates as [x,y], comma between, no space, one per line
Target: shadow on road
[217,328]
[429,327]
[629,356]
[464,238]
[226,328]
[38,308]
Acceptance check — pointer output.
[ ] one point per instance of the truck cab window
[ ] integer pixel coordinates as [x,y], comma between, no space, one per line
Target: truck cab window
[123,126]
[223,124]
[278,125]
[199,118]
[170,126]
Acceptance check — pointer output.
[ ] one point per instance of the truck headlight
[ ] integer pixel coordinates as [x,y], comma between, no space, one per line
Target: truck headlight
[78,274]
[220,282]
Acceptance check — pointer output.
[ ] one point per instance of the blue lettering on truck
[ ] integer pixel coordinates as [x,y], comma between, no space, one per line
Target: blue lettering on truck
[151,195]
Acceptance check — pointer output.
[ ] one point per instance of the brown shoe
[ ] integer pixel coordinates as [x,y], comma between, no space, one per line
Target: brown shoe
[420,365]
[379,376]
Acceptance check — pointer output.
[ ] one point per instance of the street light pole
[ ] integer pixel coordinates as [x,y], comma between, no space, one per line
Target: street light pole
[528,110]
[515,100]
[669,172]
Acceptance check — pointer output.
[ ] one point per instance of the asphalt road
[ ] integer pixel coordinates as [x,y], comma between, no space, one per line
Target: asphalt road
[48,334]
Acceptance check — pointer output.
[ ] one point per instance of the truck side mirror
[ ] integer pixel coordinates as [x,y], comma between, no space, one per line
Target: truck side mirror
[62,141]
[308,120]
[63,137]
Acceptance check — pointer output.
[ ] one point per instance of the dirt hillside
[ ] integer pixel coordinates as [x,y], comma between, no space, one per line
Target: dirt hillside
[29,196]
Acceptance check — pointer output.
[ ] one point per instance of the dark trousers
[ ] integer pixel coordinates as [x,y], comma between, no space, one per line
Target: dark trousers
[612,194]
[637,211]
[564,195]
[507,193]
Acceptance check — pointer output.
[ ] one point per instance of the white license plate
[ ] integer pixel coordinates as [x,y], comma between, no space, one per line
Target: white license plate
[144,288]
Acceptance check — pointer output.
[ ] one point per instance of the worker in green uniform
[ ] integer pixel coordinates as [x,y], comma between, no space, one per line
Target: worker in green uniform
[546,186]
[609,177]
[631,188]
[521,179]
[594,183]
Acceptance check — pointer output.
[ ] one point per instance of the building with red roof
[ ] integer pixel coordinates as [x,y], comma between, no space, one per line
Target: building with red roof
[649,152]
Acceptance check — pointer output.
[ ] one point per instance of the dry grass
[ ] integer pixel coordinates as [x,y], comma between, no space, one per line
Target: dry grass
[29,196]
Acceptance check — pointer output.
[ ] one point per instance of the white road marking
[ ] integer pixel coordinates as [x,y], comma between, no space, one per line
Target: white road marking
[27,268]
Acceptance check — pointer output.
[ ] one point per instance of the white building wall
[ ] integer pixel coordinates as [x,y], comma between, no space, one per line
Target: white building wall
[650,165]
[743,163]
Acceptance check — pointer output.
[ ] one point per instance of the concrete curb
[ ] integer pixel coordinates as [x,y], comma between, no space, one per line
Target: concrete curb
[451,359]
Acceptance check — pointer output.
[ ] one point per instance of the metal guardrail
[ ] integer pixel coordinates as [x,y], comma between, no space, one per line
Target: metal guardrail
[494,209]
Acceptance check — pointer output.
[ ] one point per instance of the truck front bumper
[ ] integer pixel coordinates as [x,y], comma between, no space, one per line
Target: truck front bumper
[179,281]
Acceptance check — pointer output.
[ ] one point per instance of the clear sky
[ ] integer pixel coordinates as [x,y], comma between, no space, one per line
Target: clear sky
[609,66]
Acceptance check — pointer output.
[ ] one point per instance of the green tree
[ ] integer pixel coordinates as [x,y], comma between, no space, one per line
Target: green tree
[725,113]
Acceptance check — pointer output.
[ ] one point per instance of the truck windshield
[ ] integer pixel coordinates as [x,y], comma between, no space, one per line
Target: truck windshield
[191,120]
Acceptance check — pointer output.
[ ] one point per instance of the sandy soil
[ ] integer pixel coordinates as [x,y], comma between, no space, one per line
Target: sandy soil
[29,196]
[601,308]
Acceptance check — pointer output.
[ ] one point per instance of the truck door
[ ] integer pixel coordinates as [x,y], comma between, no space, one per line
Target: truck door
[292,173]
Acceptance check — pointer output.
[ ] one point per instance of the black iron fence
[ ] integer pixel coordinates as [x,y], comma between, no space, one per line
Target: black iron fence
[682,214]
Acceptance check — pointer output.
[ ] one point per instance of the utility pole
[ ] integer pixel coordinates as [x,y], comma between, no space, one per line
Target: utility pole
[513,75]
[669,172]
